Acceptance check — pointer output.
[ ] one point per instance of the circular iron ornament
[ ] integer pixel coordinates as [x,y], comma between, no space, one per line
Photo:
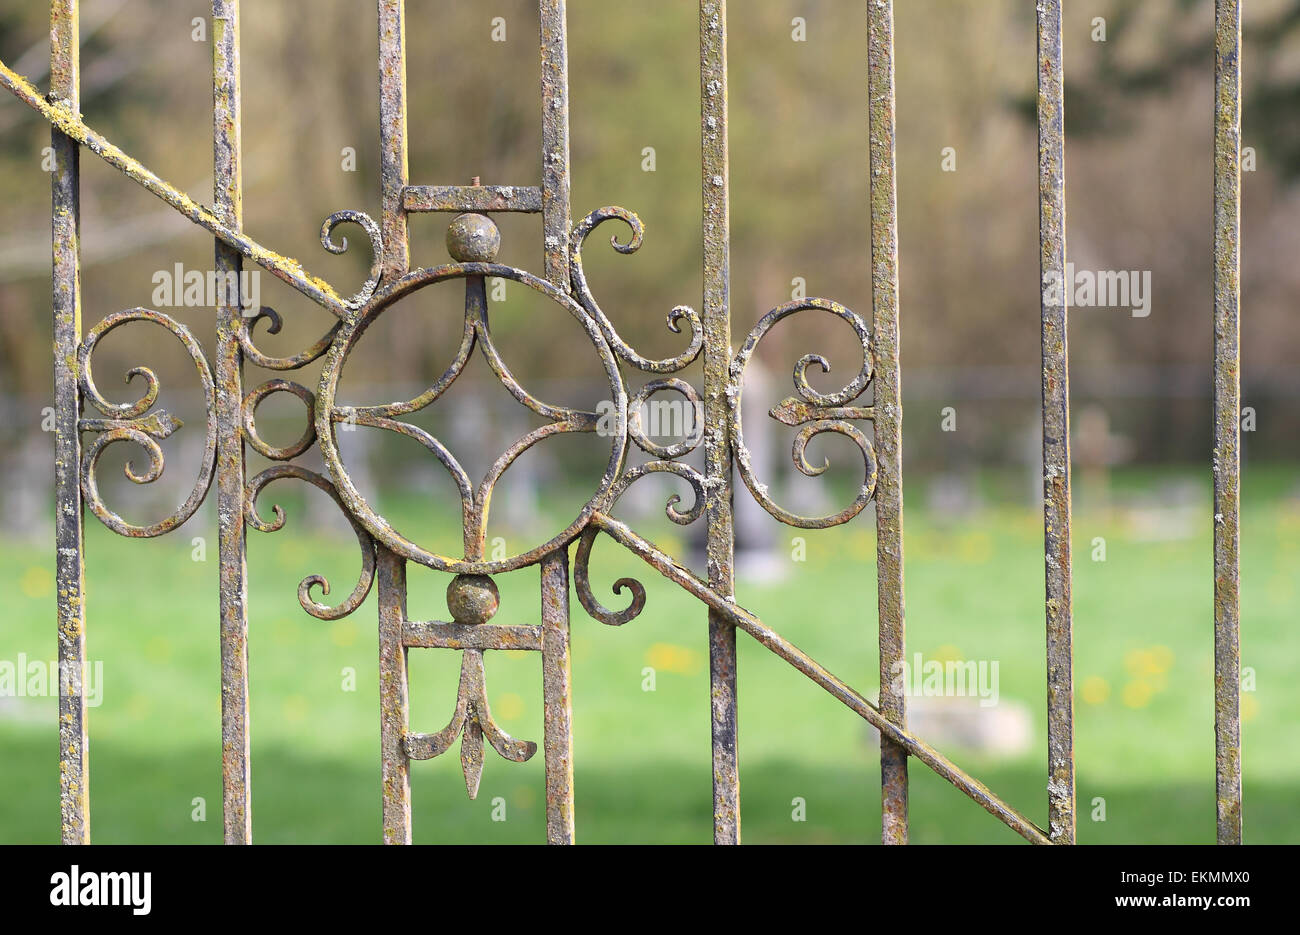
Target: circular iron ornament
[254,399]
[329,413]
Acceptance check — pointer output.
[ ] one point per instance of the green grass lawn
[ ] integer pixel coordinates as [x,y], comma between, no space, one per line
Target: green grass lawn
[1143,676]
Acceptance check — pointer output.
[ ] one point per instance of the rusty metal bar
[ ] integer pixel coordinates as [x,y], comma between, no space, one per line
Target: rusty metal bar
[717,442]
[1227,413]
[726,608]
[556,691]
[1056,424]
[555,140]
[232,545]
[460,198]
[74,752]
[887,410]
[394,706]
[393,165]
[68,121]
[436,635]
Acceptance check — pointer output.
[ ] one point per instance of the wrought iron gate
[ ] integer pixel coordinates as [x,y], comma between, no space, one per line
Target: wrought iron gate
[473,242]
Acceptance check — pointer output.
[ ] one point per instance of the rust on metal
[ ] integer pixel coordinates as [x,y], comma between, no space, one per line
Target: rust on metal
[438,635]
[523,198]
[887,411]
[65,217]
[308,603]
[555,140]
[236,755]
[818,413]
[394,705]
[255,397]
[1227,425]
[128,422]
[716,315]
[472,722]
[557,716]
[1056,425]
[394,171]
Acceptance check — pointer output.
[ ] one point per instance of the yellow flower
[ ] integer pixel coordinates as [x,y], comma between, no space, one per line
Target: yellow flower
[1137,694]
[1095,690]
[668,657]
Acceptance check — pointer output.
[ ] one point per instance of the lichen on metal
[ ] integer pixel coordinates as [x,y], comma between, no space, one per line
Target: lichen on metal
[1226,457]
[1056,426]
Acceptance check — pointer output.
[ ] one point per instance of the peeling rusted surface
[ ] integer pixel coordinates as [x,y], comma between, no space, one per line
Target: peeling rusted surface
[888,408]
[393,165]
[1227,409]
[521,198]
[65,215]
[473,238]
[438,635]
[557,717]
[394,706]
[555,140]
[717,436]
[236,761]
[1056,426]
[725,607]
[472,599]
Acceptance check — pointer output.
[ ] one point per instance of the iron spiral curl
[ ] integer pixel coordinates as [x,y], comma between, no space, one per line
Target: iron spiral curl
[816,413]
[309,604]
[582,293]
[128,422]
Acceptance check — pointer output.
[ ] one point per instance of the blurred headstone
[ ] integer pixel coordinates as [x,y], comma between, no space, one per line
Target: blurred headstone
[1094,449]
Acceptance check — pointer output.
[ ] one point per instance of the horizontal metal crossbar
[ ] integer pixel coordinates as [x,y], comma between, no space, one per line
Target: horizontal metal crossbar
[744,620]
[526,199]
[436,635]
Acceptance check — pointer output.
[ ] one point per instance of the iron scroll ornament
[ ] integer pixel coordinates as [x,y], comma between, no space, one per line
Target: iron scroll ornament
[128,422]
[473,242]
[817,413]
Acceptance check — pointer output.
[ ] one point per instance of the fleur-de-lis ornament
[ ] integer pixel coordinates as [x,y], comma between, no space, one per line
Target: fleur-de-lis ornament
[472,599]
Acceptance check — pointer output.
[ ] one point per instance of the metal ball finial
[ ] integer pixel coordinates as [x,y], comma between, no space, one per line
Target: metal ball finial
[473,238]
[472,598]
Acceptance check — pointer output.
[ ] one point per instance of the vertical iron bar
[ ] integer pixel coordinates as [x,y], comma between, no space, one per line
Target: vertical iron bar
[555,140]
[228,206]
[394,167]
[717,443]
[394,705]
[1227,410]
[556,221]
[888,408]
[558,738]
[1056,424]
[74,754]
